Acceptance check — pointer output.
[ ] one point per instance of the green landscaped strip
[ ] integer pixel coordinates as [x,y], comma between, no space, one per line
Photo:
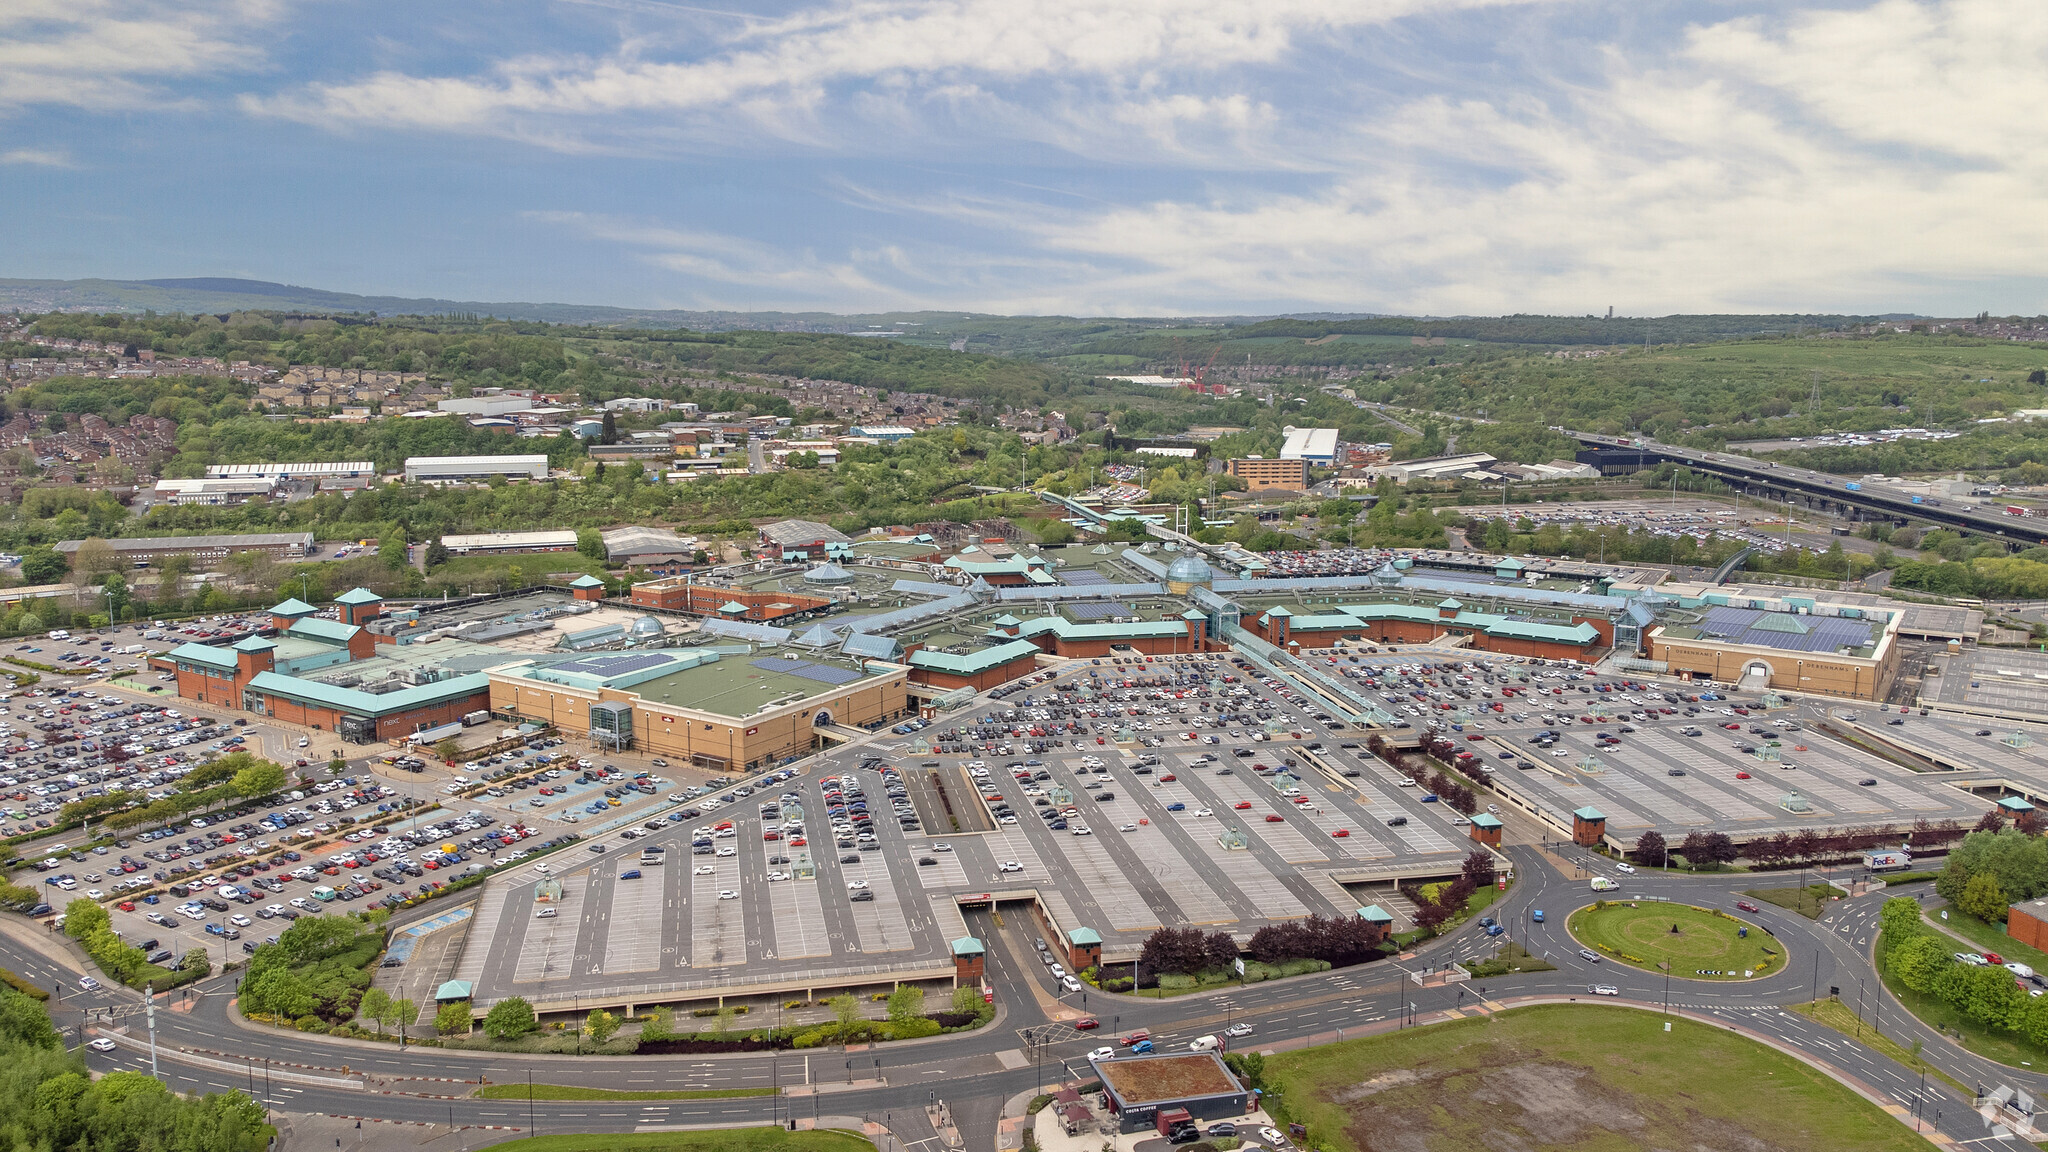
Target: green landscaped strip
[573,1092]
[1987,937]
[1707,945]
[1842,1018]
[1808,901]
[2003,1047]
[707,1140]
[1570,1078]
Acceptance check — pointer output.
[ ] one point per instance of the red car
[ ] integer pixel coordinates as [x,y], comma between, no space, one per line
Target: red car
[1275,818]
[1087,1023]
[1242,805]
[1341,833]
[1745,905]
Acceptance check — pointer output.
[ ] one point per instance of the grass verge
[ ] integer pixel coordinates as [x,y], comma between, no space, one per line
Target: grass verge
[1987,937]
[1839,1016]
[1511,958]
[1698,943]
[1555,1076]
[2003,1047]
[1808,901]
[573,1092]
[709,1140]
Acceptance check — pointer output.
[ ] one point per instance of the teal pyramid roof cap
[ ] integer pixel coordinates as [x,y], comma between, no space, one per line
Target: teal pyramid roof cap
[586,581]
[358,596]
[293,607]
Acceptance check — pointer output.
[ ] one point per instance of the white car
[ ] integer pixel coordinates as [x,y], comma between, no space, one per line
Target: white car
[545,913]
[239,920]
[543,867]
[728,851]
[728,894]
[1603,990]
[704,870]
[1621,867]
[101,1044]
[1127,828]
[1103,1053]
[1203,812]
[1009,866]
[273,909]
[1238,1030]
[299,902]
[778,876]
[855,885]
[942,847]
[1082,830]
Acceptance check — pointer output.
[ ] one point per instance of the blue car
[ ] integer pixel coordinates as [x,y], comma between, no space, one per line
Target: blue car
[1537,915]
[1495,930]
[1176,806]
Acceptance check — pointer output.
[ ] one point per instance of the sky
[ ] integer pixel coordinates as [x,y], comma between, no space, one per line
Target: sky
[1142,157]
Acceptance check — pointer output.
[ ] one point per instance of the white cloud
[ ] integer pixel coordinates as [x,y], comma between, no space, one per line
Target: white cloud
[881,62]
[118,54]
[41,157]
[1841,160]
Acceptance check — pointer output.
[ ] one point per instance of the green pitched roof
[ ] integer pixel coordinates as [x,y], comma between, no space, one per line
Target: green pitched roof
[1588,813]
[1084,936]
[1376,914]
[358,596]
[586,581]
[330,631]
[972,662]
[254,644]
[1483,820]
[293,607]
[203,654]
[968,946]
[453,990]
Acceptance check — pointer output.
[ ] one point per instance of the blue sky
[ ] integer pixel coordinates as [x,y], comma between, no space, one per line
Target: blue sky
[1139,158]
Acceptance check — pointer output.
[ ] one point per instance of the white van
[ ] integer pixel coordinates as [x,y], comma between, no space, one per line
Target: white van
[1204,1044]
[1603,884]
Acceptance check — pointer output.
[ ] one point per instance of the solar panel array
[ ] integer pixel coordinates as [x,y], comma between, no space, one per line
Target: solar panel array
[614,665]
[1824,633]
[822,673]
[1099,609]
[1083,576]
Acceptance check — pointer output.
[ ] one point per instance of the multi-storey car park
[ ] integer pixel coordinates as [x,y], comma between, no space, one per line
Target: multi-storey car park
[1113,739]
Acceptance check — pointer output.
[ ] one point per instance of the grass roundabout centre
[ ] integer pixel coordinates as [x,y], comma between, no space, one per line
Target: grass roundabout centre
[1698,943]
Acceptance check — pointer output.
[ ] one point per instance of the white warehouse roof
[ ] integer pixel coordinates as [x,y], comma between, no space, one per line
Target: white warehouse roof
[286,471]
[562,539]
[1310,444]
[431,467]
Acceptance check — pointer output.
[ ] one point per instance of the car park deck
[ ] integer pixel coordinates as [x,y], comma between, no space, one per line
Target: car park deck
[1148,858]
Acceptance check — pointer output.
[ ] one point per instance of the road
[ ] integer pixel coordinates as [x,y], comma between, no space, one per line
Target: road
[202,1048]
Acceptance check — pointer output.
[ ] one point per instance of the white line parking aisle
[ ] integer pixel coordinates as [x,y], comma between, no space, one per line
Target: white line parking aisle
[1198,902]
[549,943]
[633,935]
[718,929]
[799,926]
[880,922]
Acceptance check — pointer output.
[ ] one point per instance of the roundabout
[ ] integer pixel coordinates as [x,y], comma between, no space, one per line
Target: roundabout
[1697,943]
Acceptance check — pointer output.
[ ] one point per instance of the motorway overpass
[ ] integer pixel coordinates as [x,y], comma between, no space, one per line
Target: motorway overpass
[1815,491]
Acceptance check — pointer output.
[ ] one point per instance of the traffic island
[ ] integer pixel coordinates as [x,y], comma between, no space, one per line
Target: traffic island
[1687,942]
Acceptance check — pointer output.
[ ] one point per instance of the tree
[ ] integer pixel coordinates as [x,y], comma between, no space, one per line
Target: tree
[1174,951]
[610,432]
[258,779]
[94,559]
[967,1000]
[115,589]
[1694,849]
[83,917]
[510,1019]
[845,1009]
[1650,848]
[1055,532]
[391,550]
[43,565]
[1984,899]
[601,1025]
[402,1013]
[590,542]
[1478,867]
[1921,961]
[906,1003]
[661,1024]
[453,1018]
[449,750]
[375,1006]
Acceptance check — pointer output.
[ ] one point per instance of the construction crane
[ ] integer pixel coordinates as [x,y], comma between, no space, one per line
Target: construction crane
[1198,379]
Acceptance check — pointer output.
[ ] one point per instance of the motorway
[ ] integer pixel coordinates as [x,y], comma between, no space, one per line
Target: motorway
[204,1048]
